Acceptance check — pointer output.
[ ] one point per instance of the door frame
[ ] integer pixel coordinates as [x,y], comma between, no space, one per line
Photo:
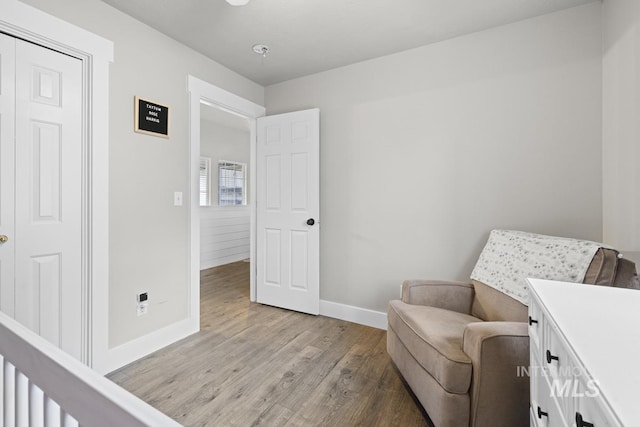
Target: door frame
[201,91]
[96,53]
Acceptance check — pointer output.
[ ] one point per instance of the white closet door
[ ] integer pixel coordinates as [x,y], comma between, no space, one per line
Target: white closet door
[48,185]
[7,137]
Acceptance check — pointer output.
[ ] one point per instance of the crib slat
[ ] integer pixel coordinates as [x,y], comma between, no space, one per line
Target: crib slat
[9,403]
[22,400]
[51,413]
[36,406]
[67,420]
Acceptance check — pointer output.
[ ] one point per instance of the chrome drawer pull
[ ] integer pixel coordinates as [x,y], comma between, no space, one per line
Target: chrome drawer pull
[531,321]
[551,357]
[580,422]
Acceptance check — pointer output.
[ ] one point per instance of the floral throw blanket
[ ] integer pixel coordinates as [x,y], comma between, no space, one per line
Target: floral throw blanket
[510,257]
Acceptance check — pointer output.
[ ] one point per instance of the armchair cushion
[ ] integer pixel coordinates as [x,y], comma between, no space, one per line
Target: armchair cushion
[434,337]
[449,295]
[492,305]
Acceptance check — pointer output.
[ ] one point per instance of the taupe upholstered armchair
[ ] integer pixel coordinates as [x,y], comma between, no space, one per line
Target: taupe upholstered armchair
[462,347]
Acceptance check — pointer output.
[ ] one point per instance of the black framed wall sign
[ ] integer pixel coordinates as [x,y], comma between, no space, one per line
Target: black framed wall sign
[151,118]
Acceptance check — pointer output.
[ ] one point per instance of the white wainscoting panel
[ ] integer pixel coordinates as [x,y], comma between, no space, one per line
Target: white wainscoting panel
[224,235]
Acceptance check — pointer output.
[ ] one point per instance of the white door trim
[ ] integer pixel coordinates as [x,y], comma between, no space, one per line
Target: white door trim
[200,90]
[31,24]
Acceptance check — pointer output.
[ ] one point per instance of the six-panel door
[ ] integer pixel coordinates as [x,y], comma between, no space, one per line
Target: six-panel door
[41,167]
[288,207]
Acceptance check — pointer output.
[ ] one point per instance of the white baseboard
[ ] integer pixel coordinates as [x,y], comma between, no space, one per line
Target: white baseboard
[350,313]
[138,348]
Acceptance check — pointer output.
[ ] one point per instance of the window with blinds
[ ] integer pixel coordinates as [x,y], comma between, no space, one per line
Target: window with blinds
[205,181]
[231,183]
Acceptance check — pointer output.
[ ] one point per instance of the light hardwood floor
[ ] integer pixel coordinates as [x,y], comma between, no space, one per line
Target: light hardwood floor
[254,365]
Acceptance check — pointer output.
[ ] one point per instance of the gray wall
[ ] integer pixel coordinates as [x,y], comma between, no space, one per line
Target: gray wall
[422,152]
[621,123]
[425,151]
[148,235]
[224,231]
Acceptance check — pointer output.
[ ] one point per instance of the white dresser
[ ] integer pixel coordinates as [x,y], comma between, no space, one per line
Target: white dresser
[585,355]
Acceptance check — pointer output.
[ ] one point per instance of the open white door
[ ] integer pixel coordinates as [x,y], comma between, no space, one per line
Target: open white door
[288,208]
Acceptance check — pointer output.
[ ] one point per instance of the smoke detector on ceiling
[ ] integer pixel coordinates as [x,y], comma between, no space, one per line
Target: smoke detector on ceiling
[261,49]
[237,2]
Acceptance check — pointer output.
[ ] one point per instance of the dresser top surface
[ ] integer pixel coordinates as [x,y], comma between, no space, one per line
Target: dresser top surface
[602,326]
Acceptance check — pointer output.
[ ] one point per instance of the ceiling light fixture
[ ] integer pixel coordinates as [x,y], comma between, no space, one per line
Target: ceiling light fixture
[237,2]
[261,49]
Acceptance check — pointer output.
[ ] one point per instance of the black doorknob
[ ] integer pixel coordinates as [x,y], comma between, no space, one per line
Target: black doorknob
[311,221]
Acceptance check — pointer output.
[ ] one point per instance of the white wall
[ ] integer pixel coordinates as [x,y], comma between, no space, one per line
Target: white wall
[148,235]
[425,151]
[621,125]
[224,231]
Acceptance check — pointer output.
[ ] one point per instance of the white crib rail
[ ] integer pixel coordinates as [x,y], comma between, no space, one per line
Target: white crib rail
[41,386]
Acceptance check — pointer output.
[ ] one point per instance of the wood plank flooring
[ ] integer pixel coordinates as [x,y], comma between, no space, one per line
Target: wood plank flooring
[254,365]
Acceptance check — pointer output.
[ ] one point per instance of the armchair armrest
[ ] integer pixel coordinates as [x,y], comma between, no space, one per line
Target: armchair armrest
[499,353]
[454,296]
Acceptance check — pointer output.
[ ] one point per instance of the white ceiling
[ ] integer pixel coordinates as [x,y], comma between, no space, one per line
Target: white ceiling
[308,36]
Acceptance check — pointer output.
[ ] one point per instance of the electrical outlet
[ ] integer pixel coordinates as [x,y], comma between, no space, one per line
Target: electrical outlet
[143,303]
[142,308]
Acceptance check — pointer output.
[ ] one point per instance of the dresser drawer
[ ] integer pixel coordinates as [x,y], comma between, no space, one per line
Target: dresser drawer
[555,357]
[559,368]
[589,407]
[536,323]
[545,409]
